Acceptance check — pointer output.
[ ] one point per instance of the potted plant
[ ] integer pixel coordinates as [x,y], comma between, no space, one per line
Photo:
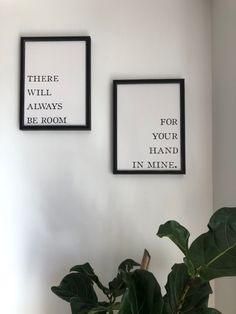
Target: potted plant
[136,291]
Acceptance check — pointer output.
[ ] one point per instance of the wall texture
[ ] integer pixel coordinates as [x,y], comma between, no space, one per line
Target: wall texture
[224,113]
[60,204]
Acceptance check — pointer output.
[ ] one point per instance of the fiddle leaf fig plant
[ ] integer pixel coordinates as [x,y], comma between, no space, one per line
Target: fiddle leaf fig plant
[136,291]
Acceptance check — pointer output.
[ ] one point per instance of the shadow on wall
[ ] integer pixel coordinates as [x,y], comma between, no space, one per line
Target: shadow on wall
[70,224]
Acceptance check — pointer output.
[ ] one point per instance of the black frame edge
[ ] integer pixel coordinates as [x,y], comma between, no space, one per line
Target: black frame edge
[87,40]
[181,82]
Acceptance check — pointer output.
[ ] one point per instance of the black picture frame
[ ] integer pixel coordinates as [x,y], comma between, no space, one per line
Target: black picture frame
[141,110]
[55,83]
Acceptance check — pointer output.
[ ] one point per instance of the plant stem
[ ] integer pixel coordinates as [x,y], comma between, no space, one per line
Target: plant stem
[182,299]
[186,289]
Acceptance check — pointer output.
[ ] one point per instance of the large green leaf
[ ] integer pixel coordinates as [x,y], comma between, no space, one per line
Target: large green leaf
[184,293]
[210,311]
[75,285]
[117,286]
[143,295]
[81,306]
[125,307]
[204,311]
[175,232]
[127,265]
[87,270]
[213,253]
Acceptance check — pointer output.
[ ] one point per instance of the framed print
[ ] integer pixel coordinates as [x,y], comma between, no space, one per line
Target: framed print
[148,126]
[55,83]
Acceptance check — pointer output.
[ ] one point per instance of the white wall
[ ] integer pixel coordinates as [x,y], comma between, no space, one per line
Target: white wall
[60,204]
[224,126]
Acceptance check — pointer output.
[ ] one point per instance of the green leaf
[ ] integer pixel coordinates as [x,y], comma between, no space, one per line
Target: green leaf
[81,306]
[129,304]
[117,286]
[75,285]
[184,293]
[127,265]
[210,311]
[204,311]
[87,270]
[143,295]
[213,253]
[125,307]
[175,232]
